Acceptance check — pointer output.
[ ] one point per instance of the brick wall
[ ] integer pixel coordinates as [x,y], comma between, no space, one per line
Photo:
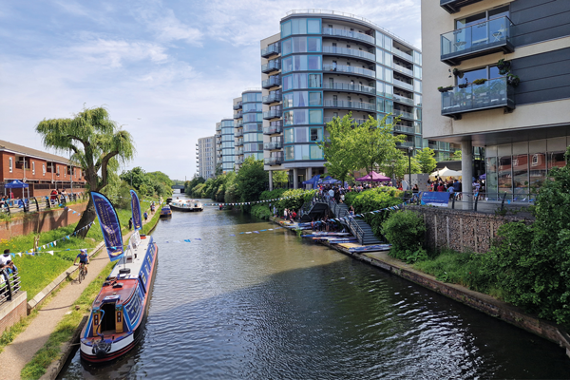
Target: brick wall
[41,222]
[461,230]
[11,312]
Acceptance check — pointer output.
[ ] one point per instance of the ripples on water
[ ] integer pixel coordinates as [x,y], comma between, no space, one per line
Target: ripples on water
[270,306]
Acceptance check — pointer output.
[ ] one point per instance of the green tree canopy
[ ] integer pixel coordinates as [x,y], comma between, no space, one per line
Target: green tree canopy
[426,160]
[339,147]
[280,178]
[457,155]
[251,180]
[96,144]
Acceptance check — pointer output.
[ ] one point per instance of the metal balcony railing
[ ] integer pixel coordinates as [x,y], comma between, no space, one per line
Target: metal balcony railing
[273,145]
[403,54]
[348,33]
[402,84]
[272,98]
[349,69]
[350,87]
[274,48]
[402,69]
[271,114]
[271,81]
[237,106]
[273,129]
[346,51]
[271,66]
[274,160]
[403,99]
[350,105]
[404,114]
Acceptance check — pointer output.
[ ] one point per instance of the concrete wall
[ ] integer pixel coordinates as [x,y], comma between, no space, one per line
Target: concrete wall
[41,222]
[461,230]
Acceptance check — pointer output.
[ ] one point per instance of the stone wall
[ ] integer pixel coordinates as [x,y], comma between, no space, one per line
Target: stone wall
[41,222]
[461,230]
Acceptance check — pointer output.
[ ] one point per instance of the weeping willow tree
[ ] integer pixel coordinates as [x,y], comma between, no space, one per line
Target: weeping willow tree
[95,143]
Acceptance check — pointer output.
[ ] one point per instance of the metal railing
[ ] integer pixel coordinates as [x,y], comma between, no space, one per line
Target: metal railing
[350,87]
[349,104]
[9,285]
[403,54]
[402,84]
[349,69]
[351,52]
[485,203]
[349,34]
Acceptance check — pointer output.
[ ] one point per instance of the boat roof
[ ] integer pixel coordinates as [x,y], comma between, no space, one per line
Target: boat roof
[118,292]
[133,258]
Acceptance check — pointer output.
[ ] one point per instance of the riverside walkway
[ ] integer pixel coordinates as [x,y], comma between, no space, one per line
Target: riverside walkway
[18,353]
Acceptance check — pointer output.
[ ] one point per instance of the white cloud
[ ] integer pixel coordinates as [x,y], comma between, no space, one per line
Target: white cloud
[114,53]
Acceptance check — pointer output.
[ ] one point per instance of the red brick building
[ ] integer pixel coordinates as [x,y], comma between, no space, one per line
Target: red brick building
[42,171]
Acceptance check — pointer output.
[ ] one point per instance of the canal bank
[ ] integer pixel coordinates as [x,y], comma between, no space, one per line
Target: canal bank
[478,301]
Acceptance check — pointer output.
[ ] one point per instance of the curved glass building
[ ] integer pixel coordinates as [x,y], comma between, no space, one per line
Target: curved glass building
[227,144]
[325,64]
[248,127]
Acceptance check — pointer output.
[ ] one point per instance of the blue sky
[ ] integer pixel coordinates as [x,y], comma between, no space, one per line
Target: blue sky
[167,70]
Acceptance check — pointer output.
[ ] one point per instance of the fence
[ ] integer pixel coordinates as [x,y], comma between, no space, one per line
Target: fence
[37,204]
[9,285]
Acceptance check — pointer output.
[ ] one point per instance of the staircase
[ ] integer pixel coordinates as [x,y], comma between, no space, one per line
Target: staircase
[313,211]
[362,231]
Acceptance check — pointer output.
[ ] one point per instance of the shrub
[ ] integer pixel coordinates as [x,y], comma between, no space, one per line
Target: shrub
[261,211]
[405,231]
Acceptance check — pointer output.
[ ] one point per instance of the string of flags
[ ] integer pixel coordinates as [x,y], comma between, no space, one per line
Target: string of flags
[232,235]
[253,202]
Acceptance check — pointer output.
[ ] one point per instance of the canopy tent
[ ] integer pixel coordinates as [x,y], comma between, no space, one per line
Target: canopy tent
[373,177]
[313,181]
[445,173]
[16,184]
[328,180]
[483,176]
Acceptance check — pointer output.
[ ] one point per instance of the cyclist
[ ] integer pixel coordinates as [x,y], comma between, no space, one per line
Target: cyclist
[83,259]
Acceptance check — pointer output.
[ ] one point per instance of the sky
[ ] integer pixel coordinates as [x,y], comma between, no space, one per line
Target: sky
[166,70]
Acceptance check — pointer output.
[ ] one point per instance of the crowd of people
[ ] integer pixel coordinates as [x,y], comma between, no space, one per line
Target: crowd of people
[454,185]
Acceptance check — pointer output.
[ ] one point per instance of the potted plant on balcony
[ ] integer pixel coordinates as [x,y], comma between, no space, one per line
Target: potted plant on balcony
[513,80]
[463,85]
[444,89]
[480,81]
[503,66]
[457,72]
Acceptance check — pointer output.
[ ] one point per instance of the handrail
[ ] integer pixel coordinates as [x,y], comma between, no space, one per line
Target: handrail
[10,286]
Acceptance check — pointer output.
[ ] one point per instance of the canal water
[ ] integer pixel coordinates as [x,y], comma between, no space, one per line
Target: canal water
[273,306]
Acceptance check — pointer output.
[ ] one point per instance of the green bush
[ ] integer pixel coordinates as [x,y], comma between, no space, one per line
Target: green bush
[261,211]
[273,194]
[296,198]
[371,200]
[405,231]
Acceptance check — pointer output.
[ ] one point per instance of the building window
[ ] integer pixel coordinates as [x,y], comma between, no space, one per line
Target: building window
[33,168]
[10,164]
[44,169]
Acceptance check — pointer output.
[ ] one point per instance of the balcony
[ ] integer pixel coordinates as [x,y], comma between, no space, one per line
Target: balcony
[238,133]
[239,151]
[237,106]
[271,82]
[494,93]
[404,128]
[350,105]
[405,144]
[350,87]
[272,114]
[239,161]
[348,52]
[402,84]
[403,99]
[274,160]
[433,145]
[349,69]
[357,121]
[402,69]
[477,40]
[349,34]
[238,124]
[403,54]
[273,129]
[454,6]
[274,48]
[404,114]
[271,66]
[272,98]
[238,115]
[238,142]
[273,145]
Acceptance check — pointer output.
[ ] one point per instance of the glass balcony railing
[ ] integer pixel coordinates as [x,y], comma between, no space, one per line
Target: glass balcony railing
[238,124]
[272,98]
[403,99]
[404,128]
[402,69]
[239,160]
[476,40]
[238,133]
[351,52]
[403,54]
[349,34]
[454,6]
[402,84]
[239,151]
[407,115]
[357,121]
[274,48]
[349,69]
[273,160]
[273,145]
[350,87]
[239,142]
[238,115]
[271,81]
[271,65]
[351,105]
[494,93]
[237,106]
[273,129]
[405,143]
[272,114]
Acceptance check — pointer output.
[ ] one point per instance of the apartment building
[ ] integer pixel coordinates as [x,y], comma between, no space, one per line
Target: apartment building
[325,64]
[206,157]
[225,145]
[503,70]
[42,171]
[248,128]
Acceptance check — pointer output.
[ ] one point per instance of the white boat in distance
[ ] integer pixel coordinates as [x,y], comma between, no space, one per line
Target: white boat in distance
[187,205]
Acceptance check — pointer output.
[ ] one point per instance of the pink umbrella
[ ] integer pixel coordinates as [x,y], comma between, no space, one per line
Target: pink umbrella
[374,177]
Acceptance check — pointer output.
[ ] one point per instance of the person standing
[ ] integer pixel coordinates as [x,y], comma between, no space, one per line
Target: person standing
[130,223]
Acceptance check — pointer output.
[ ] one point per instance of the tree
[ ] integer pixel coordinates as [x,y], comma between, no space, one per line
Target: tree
[426,160]
[96,144]
[375,144]
[399,165]
[457,155]
[338,148]
[280,178]
[251,180]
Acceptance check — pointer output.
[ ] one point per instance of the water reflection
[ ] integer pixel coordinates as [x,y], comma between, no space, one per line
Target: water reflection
[268,305]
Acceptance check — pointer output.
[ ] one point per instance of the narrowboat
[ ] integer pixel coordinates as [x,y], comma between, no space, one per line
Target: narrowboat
[119,312]
[187,205]
[165,211]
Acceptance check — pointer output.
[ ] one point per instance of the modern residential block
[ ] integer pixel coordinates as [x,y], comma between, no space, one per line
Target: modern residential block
[248,127]
[325,64]
[206,157]
[503,71]
[226,144]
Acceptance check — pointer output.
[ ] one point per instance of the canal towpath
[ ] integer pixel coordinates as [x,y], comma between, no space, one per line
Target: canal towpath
[18,353]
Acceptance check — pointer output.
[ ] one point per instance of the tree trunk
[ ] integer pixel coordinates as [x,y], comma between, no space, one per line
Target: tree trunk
[86,218]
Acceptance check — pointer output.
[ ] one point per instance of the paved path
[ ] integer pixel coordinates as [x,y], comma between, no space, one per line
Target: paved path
[18,353]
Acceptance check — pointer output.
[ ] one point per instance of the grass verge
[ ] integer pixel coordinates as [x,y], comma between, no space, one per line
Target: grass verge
[64,330]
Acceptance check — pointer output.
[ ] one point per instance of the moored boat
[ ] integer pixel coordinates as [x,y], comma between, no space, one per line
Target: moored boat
[187,205]
[165,211]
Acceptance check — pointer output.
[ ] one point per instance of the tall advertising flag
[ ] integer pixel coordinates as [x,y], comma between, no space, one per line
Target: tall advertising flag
[110,226]
[136,208]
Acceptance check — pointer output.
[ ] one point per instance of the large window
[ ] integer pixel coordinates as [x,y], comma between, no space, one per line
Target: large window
[300,81]
[302,63]
[301,26]
[302,99]
[301,45]
[303,153]
[303,135]
[251,97]
[303,116]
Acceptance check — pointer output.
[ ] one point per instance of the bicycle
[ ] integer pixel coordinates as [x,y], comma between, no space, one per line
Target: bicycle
[82,272]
